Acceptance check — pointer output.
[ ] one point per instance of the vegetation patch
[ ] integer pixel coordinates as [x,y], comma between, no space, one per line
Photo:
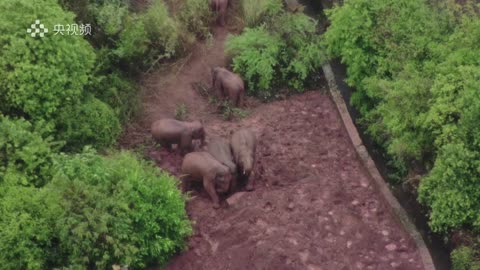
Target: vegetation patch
[413,65]
[284,50]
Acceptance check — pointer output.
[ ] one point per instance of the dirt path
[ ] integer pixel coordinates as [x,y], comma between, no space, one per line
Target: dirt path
[314,206]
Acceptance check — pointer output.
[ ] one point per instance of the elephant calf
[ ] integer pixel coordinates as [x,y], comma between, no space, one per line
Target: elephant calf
[201,166]
[169,131]
[244,144]
[220,149]
[229,85]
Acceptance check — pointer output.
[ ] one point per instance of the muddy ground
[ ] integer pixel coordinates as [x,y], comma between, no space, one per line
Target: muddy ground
[314,206]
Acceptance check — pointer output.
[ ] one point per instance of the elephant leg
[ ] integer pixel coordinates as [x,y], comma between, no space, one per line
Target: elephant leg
[208,184]
[240,99]
[186,181]
[218,88]
[165,144]
[233,184]
[250,183]
[186,142]
[233,97]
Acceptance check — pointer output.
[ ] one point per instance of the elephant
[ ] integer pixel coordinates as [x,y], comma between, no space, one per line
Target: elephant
[244,144]
[229,85]
[220,7]
[201,166]
[220,149]
[170,131]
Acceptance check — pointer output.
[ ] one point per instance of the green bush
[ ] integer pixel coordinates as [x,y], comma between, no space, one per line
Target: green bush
[196,17]
[91,123]
[96,212]
[28,236]
[415,69]
[25,155]
[110,16]
[463,259]
[121,94]
[451,189]
[256,57]
[38,76]
[148,38]
[302,53]
[288,52]
[133,42]
[256,12]
[162,30]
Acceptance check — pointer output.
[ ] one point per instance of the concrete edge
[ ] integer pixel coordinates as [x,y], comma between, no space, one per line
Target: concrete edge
[368,163]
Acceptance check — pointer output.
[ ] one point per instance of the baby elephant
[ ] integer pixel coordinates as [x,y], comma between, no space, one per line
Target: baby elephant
[220,149]
[201,166]
[244,144]
[219,7]
[169,131]
[229,85]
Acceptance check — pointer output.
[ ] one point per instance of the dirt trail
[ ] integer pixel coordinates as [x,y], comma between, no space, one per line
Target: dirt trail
[314,206]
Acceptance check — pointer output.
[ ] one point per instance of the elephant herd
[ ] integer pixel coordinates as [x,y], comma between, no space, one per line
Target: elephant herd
[221,163]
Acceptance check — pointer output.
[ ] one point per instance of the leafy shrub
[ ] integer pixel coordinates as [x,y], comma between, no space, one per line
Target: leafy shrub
[196,17]
[162,30]
[288,49]
[38,76]
[25,156]
[451,189]
[413,65]
[118,210]
[133,42]
[181,112]
[379,37]
[121,94]
[302,51]
[256,12]
[148,37]
[28,236]
[96,212]
[463,259]
[255,55]
[91,123]
[110,16]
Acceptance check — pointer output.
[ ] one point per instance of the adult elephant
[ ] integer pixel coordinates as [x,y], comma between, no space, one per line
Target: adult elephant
[229,85]
[220,7]
[168,132]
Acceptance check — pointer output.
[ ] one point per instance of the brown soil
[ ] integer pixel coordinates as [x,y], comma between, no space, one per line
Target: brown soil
[314,206]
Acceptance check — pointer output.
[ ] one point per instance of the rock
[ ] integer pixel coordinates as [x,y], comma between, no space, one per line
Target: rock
[290,206]
[395,264]
[391,247]
[235,198]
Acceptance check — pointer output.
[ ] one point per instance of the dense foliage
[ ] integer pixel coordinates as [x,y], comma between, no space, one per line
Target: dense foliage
[96,212]
[415,67]
[464,259]
[37,78]
[196,16]
[285,50]
[60,93]
[25,155]
[255,12]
